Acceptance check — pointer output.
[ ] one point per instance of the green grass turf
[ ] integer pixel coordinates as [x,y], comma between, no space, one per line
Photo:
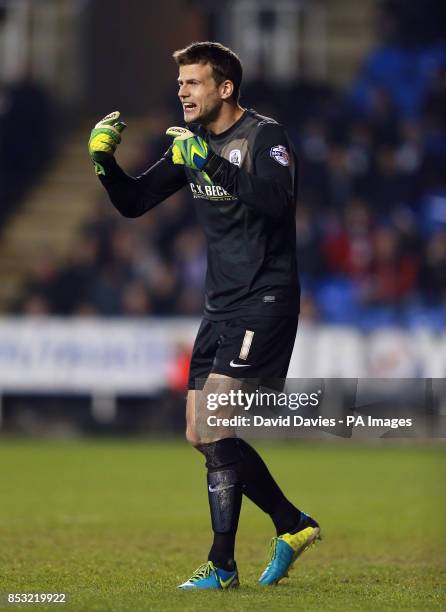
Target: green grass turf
[118,524]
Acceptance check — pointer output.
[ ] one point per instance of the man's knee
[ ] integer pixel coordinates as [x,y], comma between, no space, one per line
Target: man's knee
[198,430]
[192,437]
[191,431]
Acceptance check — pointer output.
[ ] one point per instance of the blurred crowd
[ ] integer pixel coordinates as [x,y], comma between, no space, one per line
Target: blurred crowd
[371,216]
[154,265]
[26,139]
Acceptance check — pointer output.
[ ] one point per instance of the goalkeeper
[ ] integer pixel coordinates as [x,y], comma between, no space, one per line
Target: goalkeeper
[241,170]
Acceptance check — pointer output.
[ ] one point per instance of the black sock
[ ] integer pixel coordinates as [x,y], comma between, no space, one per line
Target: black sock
[225,498]
[222,551]
[262,489]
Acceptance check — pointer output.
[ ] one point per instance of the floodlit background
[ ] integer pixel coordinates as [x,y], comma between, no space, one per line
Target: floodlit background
[101,498]
[99,312]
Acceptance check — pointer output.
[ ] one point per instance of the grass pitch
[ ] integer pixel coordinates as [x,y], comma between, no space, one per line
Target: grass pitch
[118,524]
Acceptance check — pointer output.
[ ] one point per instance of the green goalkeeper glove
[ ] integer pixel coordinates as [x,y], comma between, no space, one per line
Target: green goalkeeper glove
[104,138]
[188,149]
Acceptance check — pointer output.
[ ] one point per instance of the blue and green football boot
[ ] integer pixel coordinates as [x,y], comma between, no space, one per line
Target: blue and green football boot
[207,576]
[285,549]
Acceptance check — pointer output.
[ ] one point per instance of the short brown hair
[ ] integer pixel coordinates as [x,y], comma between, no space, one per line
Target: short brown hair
[225,63]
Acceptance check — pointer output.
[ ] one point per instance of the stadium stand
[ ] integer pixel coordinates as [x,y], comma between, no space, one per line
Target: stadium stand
[371,223]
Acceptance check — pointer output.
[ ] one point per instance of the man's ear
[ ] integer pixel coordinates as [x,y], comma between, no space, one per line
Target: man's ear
[226,89]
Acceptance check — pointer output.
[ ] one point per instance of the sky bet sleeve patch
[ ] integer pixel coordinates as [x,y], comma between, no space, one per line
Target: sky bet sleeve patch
[280,154]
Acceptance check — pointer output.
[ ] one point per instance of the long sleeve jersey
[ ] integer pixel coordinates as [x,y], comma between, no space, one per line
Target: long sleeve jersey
[245,200]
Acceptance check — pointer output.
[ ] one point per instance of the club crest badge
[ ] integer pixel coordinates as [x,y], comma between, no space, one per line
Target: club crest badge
[280,154]
[235,157]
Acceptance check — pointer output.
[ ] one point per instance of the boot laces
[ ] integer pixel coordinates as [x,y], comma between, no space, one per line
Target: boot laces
[202,572]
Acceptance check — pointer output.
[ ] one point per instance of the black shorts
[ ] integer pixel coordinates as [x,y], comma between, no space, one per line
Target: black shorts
[246,347]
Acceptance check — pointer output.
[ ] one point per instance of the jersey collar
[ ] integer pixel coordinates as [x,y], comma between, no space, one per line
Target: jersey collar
[232,128]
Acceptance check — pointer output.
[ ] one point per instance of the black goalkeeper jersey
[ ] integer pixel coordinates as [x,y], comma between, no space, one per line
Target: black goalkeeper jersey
[245,199]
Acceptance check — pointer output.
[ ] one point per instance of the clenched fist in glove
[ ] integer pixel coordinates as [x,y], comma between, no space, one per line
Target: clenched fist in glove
[104,138]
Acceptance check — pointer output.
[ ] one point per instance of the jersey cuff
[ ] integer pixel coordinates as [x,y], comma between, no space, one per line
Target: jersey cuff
[213,164]
[108,162]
